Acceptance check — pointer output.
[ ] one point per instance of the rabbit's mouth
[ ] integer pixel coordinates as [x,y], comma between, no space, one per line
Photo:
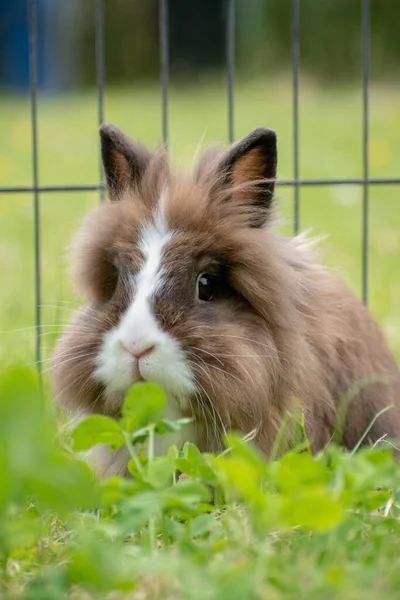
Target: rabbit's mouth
[117,369]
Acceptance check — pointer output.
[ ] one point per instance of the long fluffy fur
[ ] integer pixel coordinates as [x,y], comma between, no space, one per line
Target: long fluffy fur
[291,331]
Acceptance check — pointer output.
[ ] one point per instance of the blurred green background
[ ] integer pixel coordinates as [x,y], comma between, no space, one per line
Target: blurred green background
[330,130]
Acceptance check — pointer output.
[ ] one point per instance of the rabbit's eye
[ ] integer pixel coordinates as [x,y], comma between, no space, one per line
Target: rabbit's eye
[205,287]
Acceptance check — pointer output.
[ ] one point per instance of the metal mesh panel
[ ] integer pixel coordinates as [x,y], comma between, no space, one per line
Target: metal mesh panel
[296,182]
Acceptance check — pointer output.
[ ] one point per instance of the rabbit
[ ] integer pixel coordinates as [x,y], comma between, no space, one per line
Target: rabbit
[187,285]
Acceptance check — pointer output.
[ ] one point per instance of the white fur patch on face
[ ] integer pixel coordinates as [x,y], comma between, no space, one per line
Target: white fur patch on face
[138,330]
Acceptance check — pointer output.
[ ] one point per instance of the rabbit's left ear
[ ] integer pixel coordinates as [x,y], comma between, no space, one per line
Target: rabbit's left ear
[249,170]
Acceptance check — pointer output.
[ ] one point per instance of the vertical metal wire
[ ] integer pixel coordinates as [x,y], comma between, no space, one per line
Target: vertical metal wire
[230,65]
[100,77]
[295,84]
[164,64]
[365,81]
[32,16]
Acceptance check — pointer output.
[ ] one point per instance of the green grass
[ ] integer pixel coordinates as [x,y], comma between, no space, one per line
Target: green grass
[296,527]
[330,146]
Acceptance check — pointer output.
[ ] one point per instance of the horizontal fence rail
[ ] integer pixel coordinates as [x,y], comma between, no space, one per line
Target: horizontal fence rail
[285,182]
[297,182]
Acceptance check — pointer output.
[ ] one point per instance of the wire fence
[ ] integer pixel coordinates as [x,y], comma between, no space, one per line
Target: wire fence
[296,182]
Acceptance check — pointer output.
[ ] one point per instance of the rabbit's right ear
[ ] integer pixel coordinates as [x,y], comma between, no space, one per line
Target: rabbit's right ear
[124,161]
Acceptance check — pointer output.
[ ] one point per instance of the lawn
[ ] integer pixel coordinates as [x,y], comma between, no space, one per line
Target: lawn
[295,527]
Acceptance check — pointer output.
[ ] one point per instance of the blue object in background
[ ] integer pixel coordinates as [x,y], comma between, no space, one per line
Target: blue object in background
[14,45]
[55,70]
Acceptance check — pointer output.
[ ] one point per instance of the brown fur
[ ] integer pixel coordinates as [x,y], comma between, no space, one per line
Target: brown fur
[284,328]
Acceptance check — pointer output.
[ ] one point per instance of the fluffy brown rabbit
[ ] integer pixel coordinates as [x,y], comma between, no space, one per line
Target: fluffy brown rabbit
[186,285]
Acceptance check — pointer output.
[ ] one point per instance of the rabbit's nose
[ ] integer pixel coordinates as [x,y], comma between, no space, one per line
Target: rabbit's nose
[138,354]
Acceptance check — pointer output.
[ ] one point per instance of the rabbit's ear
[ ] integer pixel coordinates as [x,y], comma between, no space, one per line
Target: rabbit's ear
[250,168]
[124,161]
